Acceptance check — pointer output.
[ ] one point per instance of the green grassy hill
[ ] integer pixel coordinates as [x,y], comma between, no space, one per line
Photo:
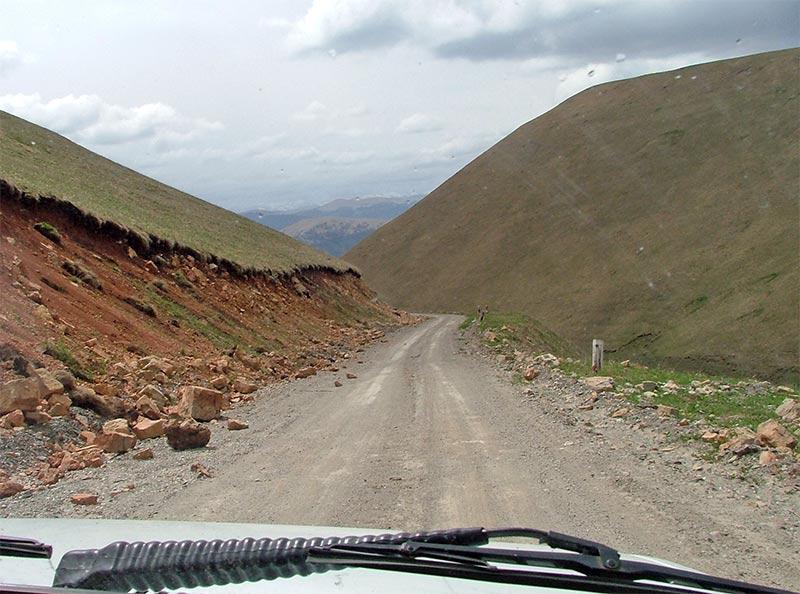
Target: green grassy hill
[42,163]
[660,213]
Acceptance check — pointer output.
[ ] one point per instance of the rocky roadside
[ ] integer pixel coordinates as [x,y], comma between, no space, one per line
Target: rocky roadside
[761,468]
[51,424]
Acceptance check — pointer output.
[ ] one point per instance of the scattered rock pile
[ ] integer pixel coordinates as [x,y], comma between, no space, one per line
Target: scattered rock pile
[772,448]
[140,399]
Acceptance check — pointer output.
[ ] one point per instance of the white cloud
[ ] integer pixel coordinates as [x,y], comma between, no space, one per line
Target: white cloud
[357,110]
[10,57]
[313,111]
[314,155]
[89,119]
[355,25]
[418,123]
[274,23]
[575,30]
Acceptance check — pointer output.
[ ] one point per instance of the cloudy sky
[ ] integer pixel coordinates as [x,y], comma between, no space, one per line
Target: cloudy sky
[277,103]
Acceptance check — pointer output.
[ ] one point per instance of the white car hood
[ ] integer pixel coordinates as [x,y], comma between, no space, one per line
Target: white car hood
[66,535]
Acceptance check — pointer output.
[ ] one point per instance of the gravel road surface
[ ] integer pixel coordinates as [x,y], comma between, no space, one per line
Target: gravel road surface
[431,435]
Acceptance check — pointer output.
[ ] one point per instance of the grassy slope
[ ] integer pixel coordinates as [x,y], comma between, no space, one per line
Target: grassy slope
[41,162]
[663,207]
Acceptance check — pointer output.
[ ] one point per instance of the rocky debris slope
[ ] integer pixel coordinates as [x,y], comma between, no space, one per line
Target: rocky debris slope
[103,350]
[771,449]
[761,466]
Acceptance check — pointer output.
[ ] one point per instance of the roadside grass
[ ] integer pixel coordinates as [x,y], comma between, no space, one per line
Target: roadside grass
[732,401]
[519,331]
[42,163]
[201,325]
[59,350]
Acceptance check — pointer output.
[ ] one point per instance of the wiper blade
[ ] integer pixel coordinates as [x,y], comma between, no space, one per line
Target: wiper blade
[590,566]
[14,546]
[600,566]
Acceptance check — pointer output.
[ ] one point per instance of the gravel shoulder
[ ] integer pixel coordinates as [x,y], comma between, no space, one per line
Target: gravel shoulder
[432,433]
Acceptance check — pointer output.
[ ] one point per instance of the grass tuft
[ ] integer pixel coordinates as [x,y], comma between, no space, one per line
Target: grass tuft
[48,231]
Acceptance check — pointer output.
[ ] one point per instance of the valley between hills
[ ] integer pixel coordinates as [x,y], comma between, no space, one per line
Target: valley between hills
[162,358]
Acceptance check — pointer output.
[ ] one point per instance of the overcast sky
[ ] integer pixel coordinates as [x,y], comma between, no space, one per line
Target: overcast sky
[275,104]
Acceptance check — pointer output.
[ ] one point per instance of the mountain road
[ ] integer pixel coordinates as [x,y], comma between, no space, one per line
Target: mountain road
[427,432]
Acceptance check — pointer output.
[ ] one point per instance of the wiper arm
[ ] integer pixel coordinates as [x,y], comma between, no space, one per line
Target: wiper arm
[14,546]
[600,566]
[595,567]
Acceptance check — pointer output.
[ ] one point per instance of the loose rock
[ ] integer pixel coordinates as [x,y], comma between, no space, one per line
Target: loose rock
[306,372]
[599,383]
[10,488]
[84,499]
[201,404]
[244,386]
[187,434]
[530,374]
[772,433]
[789,410]
[23,394]
[148,428]
[144,454]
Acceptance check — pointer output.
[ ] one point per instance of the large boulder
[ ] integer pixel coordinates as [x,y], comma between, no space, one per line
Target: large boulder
[117,437]
[21,394]
[148,428]
[201,404]
[187,434]
[600,383]
[789,410]
[244,386]
[772,434]
[147,407]
[58,405]
[48,383]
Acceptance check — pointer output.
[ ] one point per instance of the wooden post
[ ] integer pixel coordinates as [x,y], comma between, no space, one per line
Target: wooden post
[597,355]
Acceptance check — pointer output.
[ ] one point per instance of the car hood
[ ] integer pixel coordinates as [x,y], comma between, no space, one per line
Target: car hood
[67,535]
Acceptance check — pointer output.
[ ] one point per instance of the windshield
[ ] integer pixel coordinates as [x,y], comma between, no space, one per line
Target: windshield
[404,266]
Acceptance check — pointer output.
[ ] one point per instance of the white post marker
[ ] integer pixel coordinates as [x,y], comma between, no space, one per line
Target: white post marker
[597,355]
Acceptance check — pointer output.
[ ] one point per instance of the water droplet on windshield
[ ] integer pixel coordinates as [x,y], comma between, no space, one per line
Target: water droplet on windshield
[590,73]
[332,53]
[621,57]
[677,76]
[562,77]
[260,215]
[738,41]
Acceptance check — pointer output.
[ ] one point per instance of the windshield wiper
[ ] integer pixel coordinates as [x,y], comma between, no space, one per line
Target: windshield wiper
[586,565]
[599,567]
[14,546]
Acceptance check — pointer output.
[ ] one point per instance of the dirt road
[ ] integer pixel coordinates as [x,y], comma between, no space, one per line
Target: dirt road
[429,435]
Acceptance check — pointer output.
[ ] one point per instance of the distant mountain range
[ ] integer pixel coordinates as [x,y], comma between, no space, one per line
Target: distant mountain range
[337,226]
[658,213]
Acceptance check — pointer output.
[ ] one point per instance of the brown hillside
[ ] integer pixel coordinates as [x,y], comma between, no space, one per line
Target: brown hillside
[659,213]
[88,302]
